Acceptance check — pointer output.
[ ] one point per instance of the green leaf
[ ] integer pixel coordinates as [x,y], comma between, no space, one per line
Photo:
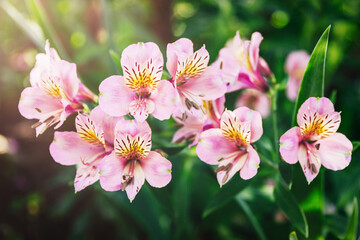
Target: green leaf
[351,230]
[288,204]
[312,84]
[116,59]
[356,144]
[245,207]
[331,222]
[226,194]
[293,236]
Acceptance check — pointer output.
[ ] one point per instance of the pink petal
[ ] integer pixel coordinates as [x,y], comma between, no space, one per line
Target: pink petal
[182,47]
[296,61]
[322,106]
[292,88]
[237,161]
[245,114]
[115,97]
[106,121]
[213,146]
[208,86]
[139,179]
[85,176]
[132,127]
[256,39]
[36,104]
[140,108]
[289,145]
[111,171]
[69,79]
[157,169]
[68,149]
[309,163]
[165,100]
[251,165]
[254,100]
[334,151]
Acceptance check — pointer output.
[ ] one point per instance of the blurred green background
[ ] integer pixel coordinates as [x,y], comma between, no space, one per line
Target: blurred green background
[38,200]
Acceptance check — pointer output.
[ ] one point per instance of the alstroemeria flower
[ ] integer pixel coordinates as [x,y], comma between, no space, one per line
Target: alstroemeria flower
[86,148]
[295,66]
[55,91]
[315,142]
[140,91]
[132,161]
[194,80]
[193,124]
[254,100]
[241,66]
[230,145]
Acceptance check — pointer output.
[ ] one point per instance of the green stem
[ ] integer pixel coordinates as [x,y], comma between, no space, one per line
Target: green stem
[273,98]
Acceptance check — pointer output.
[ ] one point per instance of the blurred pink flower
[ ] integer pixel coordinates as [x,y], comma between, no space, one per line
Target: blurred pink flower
[140,91]
[87,147]
[193,124]
[132,162]
[241,66]
[193,79]
[254,100]
[230,145]
[316,141]
[295,66]
[55,91]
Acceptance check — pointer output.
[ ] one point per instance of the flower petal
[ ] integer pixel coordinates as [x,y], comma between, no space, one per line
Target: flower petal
[235,162]
[157,169]
[132,127]
[85,176]
[322,106]
[289,145]
[68,149]
[182,47]
[165,100]
[111,171]
[245,114]
[89,131]
[139,179]
[140,108]
[334,151]
[309,162]
[70,82]
[213,146]
[256,39]
[251,165]
[113,92]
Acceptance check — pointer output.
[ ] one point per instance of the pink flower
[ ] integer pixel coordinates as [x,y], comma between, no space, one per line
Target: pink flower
[230,145]
[254,100]
[193,79]
[295,66]
[55,91]
[140,91]
[87,147]
[241,66]
[316,141]
[193,124]
[132,162]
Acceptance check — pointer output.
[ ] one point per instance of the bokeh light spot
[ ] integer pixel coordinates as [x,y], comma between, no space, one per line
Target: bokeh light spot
[279,19]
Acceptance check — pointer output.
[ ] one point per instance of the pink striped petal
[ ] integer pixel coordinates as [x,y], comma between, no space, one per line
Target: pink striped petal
[139,179]
[213,146]
[140,108]
[322,106]
[157,169]
[115,97]
[69,149]
[236,162]
[85,176]
[181,48]
[132,127]
[289,145]
[309,162]
[165,100]
[245,114]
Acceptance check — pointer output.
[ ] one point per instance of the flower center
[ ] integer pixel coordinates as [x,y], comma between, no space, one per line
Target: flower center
[132,148]
[317,126]
[50,86]
[192,67]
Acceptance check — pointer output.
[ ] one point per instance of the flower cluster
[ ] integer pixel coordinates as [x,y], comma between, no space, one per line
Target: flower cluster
[112,142]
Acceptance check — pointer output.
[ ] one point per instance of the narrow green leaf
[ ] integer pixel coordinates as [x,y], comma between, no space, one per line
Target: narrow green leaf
[331,223]
[288,204]
[356,144]
[225,194]
[312,84]
[351,230]
[245,207]
[293,236]
[116,59]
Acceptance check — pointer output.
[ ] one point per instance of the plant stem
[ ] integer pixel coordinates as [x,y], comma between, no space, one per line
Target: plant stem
[273,98]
